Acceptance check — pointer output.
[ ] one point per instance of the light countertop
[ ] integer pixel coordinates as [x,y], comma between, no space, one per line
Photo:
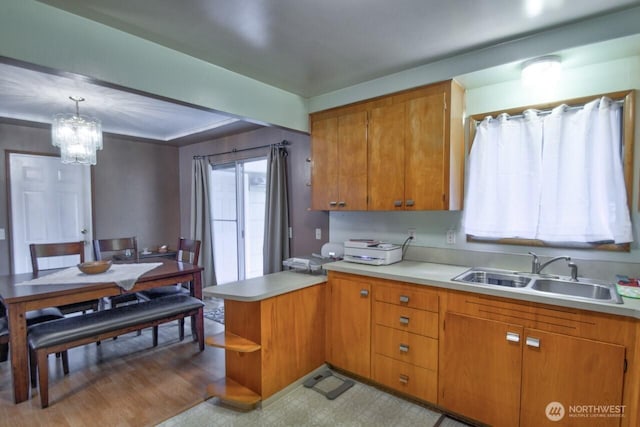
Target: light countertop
[420,273]
[440,275]
[264,287]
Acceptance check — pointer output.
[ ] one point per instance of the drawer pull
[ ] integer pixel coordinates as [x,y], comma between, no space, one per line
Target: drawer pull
[513,337]
[533,342]
[410,202]
[404,348]
[333,203]
[404,299]
[342,204]
[397,203]
[404,320]
[404,379]
[364,293]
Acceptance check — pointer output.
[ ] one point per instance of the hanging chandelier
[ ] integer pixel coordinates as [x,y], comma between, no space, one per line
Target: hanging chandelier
[79,137]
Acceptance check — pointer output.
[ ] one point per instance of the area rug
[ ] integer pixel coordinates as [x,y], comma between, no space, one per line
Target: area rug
[217,314]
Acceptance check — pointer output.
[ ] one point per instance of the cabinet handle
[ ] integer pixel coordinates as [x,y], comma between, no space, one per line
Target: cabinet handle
[404,348]
[533,342]
[364,293]
[404,379]
[513,337]
[342,204]
[333,203]
[404,320]
[410,202]
[404,299]
[397,203]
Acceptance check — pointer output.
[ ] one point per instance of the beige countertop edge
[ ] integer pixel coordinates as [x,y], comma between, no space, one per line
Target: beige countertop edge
[440,275]
[260,288]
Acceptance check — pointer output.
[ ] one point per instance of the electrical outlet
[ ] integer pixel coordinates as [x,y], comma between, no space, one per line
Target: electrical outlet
[318,234]
[411,233]
[451,237]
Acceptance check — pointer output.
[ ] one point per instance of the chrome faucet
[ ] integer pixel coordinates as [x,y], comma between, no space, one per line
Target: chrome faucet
[542,266]
[536,267]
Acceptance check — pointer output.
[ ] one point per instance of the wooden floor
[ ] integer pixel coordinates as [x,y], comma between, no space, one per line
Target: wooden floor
[123,382]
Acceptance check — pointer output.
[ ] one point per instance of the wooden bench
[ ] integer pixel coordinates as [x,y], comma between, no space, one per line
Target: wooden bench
[60,335]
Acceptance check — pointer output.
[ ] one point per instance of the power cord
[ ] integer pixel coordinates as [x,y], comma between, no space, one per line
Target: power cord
[405,245]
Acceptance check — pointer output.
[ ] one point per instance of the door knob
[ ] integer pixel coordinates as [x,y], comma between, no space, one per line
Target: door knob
[84,231]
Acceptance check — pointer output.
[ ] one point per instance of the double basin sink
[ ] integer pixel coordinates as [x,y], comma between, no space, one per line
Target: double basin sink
[582,289]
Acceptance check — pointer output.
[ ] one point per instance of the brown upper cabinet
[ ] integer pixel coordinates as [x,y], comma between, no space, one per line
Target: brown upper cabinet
[339,162]
[403,151]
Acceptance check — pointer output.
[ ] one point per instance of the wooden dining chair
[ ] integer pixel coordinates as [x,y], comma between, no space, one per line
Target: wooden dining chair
[115,249]
[188,250]
[48,250]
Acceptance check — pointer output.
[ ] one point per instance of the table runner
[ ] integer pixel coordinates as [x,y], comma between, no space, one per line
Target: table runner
[124,275]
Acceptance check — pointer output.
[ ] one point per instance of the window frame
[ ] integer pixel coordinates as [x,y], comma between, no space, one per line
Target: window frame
[628,138]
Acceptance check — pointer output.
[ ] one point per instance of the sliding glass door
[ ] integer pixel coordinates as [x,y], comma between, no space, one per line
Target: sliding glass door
[238,193]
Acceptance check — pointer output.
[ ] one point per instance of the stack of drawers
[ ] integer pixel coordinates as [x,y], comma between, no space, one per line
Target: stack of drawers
[405,339]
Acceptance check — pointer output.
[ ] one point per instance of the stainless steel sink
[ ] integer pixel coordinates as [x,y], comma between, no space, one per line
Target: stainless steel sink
[592,291]
[493,277]
[583,289]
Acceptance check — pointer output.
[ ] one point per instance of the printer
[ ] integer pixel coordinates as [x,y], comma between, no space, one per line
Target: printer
[372,252]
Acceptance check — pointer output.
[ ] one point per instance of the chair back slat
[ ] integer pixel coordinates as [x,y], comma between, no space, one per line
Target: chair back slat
[102,246]
[45,250]
[188,250]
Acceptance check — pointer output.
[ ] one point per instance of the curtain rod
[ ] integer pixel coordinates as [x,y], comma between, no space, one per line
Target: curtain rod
[282,143]
[546,111]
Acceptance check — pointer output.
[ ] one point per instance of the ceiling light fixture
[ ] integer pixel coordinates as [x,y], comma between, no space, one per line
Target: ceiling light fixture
[79,137]
[541,71]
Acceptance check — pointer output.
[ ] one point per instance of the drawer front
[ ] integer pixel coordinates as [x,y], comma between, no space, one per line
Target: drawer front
[406,378]
[407,319]
[406,347]
[407,296]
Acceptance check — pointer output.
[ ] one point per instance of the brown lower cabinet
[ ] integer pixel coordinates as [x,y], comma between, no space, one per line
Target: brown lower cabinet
[498,361]
[348,342]
[504,375]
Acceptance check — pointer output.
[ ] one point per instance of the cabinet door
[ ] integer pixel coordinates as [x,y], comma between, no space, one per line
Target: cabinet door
[349,325]
[324,169]
[574,372]
[352,161]
[427,160]
[386,158]
[480,369]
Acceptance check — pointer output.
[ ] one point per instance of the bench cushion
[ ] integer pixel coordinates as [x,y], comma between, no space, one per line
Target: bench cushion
[43,315]
[4,327]
[92,324]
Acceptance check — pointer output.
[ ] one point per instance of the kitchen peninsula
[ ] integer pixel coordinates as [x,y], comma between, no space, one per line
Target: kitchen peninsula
[274,334]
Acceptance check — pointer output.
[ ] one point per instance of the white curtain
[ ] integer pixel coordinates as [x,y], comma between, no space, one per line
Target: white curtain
[558,178]
[584,197]
[276,221]
[503,184]
[201,228]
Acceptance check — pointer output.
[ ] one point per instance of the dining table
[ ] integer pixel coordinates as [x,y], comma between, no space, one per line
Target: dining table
[18,299]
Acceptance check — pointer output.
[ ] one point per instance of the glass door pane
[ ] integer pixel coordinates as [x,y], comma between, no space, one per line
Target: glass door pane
[225,223]
[238,197]
[255,189]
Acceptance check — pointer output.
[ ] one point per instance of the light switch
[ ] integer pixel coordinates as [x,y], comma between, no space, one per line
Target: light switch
[2,235]
[318,233]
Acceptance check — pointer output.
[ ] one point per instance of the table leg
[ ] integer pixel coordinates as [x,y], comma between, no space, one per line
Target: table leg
[18,350]
[196,289]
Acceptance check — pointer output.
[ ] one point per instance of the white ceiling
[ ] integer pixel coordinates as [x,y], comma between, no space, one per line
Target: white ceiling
[302,46]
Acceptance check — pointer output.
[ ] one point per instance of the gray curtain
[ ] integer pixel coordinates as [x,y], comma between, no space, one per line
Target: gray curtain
[201,228]
[276,220]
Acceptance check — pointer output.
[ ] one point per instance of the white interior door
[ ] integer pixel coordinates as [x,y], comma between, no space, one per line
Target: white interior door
[50,202]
